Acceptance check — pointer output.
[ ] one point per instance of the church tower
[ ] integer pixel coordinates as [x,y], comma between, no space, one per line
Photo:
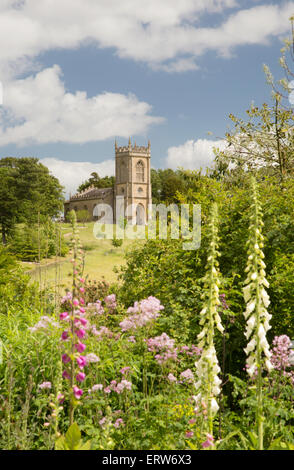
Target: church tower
[133,180]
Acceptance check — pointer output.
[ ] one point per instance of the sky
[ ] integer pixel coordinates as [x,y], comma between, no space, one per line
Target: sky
[78,74]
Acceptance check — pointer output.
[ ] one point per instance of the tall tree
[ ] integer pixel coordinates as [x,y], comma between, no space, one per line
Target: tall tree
[27,192]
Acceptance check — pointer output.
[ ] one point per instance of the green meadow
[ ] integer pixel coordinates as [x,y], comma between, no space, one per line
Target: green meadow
[101,257]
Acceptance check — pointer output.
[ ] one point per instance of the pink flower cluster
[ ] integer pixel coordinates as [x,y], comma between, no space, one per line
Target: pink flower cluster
[283,356]
[95,388]
[190,350]
[164,345]
[110,302]
[97,308]
[209,441]
[45,385]
[102,332]
[143,312]
[280,352]
[118,387]
[187,376]
[44,323]
[76,331]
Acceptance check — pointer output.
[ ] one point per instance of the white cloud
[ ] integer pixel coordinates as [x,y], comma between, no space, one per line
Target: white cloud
[158,32]
[39,110]
[193,155]
[72,174]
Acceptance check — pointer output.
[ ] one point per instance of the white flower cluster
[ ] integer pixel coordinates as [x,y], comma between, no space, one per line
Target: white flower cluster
[255,295]
[207,368]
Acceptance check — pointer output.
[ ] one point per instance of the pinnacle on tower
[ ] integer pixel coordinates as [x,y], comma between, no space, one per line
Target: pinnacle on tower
[130,144]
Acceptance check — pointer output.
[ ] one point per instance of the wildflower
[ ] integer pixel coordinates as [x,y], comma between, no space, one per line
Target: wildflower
[65,335]
[91,357]
[171,377]
[102,421]
[65,375]
[189,434]
[207,368]
[77,392]
[60,398]
[119,422]
[209,441]
[110,302]
[80,377]
[80,347]
[63,315]
[65,358]
[126,384]
[131,339]
[257,301]
[45,385]
[187,375]
[82,362]
[80,332]
[95,388]
[143,312]
[125,370]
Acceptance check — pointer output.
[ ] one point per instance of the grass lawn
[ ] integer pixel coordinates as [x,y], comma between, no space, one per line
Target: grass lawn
[100,259]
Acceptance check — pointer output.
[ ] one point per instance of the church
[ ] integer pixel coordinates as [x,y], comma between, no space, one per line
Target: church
[132,186]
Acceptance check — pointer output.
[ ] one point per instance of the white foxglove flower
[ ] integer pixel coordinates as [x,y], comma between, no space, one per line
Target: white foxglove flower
[207,367]
[257,301]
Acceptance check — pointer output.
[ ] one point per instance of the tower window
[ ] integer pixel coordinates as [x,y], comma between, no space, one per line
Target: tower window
[140,171]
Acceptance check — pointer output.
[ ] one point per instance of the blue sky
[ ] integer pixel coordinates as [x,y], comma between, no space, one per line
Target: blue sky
[78,74]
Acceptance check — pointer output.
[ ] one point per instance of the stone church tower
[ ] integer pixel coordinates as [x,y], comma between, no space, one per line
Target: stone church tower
[132,186]
[133,180]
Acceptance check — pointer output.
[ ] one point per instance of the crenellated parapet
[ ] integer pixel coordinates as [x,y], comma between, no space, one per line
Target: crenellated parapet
[91,193]
[133,149]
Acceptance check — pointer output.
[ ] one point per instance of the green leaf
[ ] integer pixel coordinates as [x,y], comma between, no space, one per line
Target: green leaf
[60,444]
[85,446]
[73,437]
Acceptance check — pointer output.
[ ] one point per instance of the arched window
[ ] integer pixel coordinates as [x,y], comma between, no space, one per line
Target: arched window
[140,171]
[122,172]
[140,215]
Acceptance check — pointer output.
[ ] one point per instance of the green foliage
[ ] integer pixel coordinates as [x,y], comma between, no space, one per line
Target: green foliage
[83,216]
[117,241]
[97,182]
[72,440]
[163,269]
[27,192]
[37,241]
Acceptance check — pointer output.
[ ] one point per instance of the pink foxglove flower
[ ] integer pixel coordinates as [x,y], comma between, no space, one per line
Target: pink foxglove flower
[80,347]
[65,375]
[64,335]
[63,315]
[65,358]
[77,392]
[80,333]
[208,442]
[80,376]
[82,362]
